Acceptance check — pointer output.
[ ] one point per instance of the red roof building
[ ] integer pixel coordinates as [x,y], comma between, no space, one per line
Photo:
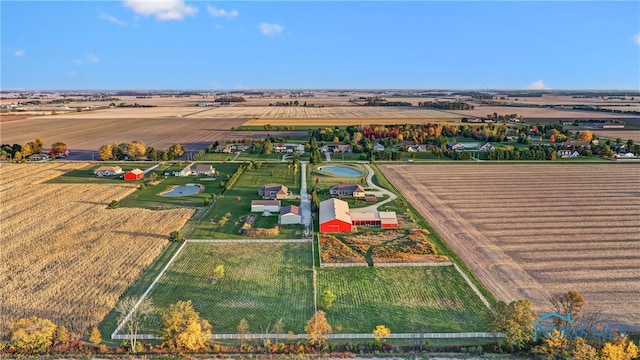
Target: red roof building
[334,216]
[135,174]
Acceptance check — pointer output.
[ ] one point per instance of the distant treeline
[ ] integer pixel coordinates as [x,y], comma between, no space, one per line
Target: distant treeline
[446,105]
[230,99]
[387,103]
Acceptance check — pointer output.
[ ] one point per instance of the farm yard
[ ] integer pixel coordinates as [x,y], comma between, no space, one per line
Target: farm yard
[65,256]
[405,299]
[536,230]
[262,283]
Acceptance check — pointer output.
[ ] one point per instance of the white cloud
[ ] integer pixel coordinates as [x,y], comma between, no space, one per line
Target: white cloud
[636,39]
[87,59]
[18,53]
[215,12]
[161,9]
[111,19]
[270,29]
[537,85]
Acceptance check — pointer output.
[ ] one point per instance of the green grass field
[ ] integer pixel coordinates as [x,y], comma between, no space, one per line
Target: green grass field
[405,299]
[235,204]
[262,283]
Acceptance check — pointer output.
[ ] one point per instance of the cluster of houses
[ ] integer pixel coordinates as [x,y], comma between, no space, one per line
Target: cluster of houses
[277,148]
[271,195]
[336,148]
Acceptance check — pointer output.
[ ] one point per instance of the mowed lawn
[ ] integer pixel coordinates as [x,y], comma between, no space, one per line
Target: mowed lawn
[263,282]
[405,299]
[226,217]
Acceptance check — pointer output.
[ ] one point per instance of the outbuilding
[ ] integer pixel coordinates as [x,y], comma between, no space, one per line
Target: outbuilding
[135,174]
[290,215]
[261,206]
[334,216]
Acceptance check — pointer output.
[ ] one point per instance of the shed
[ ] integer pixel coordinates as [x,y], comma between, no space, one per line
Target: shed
[135,174]
[265,205]
[290,215]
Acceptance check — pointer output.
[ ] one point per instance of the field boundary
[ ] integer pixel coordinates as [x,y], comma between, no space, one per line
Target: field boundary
[115,336]
[248,240]
[146,293]
[462,335]
[473,286]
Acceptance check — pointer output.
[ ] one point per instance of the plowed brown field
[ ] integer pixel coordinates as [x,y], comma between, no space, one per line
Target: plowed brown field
[536,230]
[63,255]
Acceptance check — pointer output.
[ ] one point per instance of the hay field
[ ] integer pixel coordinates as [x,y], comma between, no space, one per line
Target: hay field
[64,255]
[534,230]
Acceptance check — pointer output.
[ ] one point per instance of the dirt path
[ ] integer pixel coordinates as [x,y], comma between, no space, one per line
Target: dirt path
[498,272]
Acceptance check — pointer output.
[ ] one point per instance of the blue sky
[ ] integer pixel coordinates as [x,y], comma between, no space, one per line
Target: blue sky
[177,44]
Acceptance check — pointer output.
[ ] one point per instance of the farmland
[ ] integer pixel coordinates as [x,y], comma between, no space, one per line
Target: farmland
[66,257]
[262,283]
[532,231]
[405,299]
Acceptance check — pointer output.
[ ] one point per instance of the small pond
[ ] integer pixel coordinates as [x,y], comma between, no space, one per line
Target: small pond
[341,171]
[182,190]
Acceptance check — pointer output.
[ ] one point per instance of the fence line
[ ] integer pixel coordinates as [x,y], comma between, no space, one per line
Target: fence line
[473,286]
[249,240]
[337,265]
[426,264]
[146,293]
[463,335]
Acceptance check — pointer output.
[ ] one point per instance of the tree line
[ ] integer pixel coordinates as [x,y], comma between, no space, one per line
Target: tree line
[137,149]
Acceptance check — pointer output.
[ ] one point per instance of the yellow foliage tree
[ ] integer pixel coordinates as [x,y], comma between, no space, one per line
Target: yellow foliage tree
[381,332]
[620,349]
[586,136]
[33,335]
[581,350]
[317,329]
[182,328]
[95,338]
[105,152]
[554,345]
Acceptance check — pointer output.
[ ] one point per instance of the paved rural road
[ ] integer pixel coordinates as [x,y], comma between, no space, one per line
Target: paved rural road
[305,204]
[378,190]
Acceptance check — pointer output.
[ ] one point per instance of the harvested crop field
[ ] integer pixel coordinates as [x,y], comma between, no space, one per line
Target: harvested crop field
[66,257]
[622,134]
[88,131]
[536,230]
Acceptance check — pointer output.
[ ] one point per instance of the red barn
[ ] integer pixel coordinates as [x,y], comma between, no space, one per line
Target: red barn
[388,219]
[334,216]
[135,174]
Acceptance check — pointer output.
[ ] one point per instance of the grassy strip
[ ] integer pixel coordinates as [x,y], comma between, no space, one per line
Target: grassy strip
[441,245]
